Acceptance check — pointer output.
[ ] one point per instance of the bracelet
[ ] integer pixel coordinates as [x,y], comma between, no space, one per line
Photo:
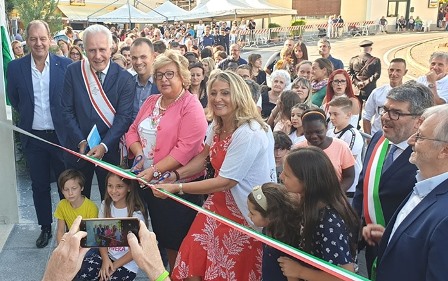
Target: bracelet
[177,175]
[181,191]
[163,276]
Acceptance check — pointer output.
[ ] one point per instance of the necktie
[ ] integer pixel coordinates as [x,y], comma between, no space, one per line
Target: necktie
[389,158]
[98,74]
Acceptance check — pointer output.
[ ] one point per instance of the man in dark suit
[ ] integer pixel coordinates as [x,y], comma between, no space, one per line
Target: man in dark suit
[387,176]
[34,89]
[142,58]
[97,92]
[413,245]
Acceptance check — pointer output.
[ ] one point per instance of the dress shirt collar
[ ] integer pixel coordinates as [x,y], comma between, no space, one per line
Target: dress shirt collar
[104,71]
[150,80]
[402,145]
[424,186]
[33,63]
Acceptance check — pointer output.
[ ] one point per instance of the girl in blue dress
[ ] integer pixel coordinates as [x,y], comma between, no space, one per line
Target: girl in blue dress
[329,225]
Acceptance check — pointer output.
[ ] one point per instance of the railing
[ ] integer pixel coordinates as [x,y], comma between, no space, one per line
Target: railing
[307,33]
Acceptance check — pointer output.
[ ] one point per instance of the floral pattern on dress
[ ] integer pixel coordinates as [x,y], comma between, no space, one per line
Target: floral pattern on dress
[213,250]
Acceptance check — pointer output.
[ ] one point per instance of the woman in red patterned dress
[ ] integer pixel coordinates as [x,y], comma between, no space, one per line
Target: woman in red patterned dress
[241,149]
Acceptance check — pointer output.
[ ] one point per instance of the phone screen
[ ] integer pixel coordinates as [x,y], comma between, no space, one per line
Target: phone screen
[111,232]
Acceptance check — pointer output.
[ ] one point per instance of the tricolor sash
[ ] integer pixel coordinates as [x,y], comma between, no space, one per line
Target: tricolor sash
[373,212]
[97,97]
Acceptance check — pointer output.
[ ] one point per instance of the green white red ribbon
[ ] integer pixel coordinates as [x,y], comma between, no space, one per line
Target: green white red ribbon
[300,255]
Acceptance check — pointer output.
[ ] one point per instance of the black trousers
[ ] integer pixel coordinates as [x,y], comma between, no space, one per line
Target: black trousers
[43,159]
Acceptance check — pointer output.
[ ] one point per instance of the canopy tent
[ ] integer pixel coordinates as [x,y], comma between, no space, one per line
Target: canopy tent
[125,14]
[166,11]
[81,13]
[230,9]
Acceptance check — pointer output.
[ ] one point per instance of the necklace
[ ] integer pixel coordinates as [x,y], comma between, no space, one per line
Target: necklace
[177,98]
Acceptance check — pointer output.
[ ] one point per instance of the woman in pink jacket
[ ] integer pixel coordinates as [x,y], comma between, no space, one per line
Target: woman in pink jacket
[167,133]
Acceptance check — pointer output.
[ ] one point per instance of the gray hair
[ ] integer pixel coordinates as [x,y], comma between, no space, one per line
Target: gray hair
[282,74]
[94,29]
[37,22]
[441,129]
[439,55]
[418,95]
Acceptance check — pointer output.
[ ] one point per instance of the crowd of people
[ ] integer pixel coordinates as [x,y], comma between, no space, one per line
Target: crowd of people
[202,123]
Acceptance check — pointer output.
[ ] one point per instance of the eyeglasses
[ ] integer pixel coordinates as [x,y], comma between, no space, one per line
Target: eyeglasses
[394,114]
[417,137]
[74,54]
[339,82]
[168,75]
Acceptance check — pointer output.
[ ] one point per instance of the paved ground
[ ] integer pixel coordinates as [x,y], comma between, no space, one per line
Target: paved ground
[20,260]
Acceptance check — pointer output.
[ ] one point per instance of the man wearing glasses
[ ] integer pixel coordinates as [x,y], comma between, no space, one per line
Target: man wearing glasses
[387,176]
[413,245]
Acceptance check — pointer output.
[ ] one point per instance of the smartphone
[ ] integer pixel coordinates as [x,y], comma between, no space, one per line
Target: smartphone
[110,232]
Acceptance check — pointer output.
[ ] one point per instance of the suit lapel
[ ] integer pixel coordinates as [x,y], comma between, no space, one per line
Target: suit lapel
[111,77]
[26,73]
[54,72]
[427,202]
[402,160]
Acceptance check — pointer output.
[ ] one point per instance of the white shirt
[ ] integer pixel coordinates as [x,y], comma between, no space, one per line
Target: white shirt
[400,148]
[376,100]
[200,30]
[441,85]
[41,87]
[104,73]
[117,252]
[356,149]
[422,188]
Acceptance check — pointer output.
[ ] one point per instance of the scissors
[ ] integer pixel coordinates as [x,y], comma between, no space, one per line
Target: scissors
[137,160]
[162,178]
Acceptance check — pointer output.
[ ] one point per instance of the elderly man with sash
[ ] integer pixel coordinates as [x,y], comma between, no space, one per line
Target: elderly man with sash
[387,176]
[98,100]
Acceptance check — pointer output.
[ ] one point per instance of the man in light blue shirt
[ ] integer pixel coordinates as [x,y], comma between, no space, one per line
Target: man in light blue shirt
[413,245]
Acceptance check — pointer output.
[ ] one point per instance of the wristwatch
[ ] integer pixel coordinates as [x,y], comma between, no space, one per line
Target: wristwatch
[431,85]
[156,174]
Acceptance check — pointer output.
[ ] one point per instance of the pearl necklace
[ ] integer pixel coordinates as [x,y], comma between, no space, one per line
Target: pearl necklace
[177,98]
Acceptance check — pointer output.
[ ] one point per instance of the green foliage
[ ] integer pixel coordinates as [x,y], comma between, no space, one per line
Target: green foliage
[9,6]
[297,23]
[39,10]
[273,25]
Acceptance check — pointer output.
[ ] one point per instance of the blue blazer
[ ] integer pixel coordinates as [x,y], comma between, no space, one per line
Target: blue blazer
[21,94]
[80,116]
[418,248]
[395,183]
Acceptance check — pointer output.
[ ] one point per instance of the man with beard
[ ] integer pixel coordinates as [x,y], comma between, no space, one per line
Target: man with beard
[387,176]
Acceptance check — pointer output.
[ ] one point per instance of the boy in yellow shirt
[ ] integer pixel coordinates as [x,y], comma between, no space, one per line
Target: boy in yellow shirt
[71,183]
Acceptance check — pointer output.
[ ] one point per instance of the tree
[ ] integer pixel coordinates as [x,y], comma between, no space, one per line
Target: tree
[9,6]
[39,10]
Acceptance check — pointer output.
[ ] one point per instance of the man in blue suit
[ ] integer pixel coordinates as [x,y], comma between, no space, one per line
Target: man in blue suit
[413,245]
[34,89]
[387,176]
[97,92]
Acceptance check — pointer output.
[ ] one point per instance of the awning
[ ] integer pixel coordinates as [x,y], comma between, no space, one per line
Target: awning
[80,13]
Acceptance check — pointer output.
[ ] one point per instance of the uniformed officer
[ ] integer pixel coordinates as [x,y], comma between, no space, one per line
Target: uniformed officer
[365,69]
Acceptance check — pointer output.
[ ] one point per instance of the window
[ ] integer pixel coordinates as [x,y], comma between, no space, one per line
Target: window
[397,8]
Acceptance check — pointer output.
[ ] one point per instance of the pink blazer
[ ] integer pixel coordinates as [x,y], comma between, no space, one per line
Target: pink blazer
[181,130]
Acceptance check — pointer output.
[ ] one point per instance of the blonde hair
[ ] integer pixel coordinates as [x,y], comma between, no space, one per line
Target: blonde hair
[241,98]
[211,64]
[181,64]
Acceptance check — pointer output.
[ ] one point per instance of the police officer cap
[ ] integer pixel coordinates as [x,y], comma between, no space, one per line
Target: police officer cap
[365,43]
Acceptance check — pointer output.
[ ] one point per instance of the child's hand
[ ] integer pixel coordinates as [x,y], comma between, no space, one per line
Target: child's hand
[107,269]
[290,268]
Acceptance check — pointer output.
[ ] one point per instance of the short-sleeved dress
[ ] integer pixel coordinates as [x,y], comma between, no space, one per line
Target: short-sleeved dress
[332,238]
[215,251]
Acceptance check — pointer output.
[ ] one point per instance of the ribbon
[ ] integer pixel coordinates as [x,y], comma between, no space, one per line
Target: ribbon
[287,249]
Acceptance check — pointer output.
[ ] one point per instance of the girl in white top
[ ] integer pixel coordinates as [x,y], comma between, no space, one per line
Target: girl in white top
[296,133]
[115,263]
